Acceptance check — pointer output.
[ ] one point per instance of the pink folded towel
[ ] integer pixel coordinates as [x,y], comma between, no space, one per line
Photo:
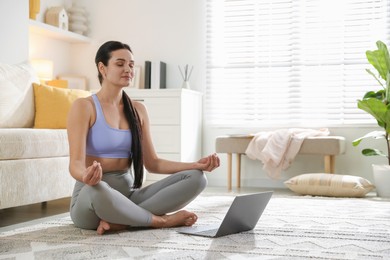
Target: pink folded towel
[277,149]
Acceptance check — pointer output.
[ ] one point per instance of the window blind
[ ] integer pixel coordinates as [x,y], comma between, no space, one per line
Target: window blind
[290,62]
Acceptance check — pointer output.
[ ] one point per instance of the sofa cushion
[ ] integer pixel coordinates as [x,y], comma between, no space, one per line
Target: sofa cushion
[28,143]
[16,98]
[52,105]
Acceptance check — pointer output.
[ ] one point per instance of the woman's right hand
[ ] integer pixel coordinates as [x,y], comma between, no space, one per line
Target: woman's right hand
[93,174]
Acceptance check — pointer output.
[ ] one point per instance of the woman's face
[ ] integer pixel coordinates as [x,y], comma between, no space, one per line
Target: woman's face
[120,68]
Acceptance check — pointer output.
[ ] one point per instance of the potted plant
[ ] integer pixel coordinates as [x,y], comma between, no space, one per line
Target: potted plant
[377,104]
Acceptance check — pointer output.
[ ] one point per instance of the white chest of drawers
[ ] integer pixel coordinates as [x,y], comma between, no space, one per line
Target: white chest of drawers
[176,122]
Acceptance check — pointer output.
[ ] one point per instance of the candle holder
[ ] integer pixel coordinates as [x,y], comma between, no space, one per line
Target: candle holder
[186,74]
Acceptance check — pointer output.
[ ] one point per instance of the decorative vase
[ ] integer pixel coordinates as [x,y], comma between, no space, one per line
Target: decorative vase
[186,84]
[78,22]
[34,8]
[382,180]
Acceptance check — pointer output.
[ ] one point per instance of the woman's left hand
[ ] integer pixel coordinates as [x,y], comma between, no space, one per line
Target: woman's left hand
[209,163]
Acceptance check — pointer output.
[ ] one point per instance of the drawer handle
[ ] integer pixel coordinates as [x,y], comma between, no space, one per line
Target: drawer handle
[140,100]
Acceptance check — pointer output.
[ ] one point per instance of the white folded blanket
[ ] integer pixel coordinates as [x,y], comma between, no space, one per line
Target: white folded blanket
[277,149]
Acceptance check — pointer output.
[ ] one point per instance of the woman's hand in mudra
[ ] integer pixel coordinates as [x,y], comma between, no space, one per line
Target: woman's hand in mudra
[209,163]
[93,174]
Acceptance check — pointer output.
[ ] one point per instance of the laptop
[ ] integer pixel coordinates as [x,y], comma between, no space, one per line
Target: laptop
[243,215]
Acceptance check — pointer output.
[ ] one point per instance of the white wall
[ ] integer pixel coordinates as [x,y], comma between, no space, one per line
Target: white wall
[169,30]
[42,47]
[14,31]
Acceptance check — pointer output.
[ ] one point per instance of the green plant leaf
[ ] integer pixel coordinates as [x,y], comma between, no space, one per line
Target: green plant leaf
[387,119]
[373,134]
[377,104]
[373,152]
[387,95]
[383,47]
[376,108]
[378,95]
[379,59]
[377,79]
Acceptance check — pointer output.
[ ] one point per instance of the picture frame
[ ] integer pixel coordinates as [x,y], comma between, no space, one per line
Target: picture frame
[136,82]
[75,81]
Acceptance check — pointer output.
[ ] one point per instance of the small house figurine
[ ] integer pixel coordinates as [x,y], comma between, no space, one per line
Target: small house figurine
[57,17]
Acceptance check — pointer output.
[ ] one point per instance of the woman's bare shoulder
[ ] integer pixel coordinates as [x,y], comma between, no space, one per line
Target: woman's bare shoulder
[82,111]
[139,106]
[84,102]
[141,110]
[83,107]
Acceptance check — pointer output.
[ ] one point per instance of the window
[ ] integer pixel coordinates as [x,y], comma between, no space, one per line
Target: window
[291,62]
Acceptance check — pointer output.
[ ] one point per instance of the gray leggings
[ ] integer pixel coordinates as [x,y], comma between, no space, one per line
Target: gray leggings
[114,201]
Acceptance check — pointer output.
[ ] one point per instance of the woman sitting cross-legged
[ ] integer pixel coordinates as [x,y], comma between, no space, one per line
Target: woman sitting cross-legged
[108,134]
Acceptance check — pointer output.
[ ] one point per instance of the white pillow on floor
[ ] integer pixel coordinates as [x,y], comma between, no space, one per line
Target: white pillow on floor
[328,184]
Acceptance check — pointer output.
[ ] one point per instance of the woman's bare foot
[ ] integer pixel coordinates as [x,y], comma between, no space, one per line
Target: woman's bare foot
[105,226]
[180,218]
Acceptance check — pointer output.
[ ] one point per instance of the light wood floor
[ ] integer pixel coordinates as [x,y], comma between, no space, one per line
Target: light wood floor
[17,215]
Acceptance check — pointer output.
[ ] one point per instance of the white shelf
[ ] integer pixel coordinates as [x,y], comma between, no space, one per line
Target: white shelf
[56,33]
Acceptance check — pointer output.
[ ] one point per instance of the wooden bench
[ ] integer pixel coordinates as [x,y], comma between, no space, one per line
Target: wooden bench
[327,146]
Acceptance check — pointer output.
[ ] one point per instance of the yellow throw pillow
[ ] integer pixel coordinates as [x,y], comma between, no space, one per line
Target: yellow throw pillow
[59,83]
[52,105]
[327,184]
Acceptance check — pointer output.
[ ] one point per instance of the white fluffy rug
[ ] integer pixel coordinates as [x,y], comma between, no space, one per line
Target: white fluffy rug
[290,228]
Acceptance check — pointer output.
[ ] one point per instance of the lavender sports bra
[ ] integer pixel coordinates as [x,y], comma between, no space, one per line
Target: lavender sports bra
[104,141]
